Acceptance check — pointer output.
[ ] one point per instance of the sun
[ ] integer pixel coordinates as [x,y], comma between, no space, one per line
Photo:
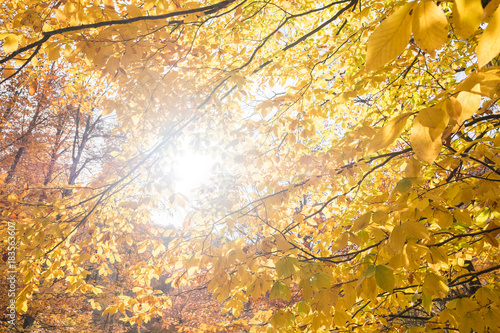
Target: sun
[192,170]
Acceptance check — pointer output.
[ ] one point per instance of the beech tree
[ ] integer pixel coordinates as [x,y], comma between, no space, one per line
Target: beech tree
[356,185]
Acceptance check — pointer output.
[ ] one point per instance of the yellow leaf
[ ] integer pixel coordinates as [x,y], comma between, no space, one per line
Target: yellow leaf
[427,303]
[462,216]
[110,4]
[321,281]
[238,12]
[286,266]
[438,255]
[111,310]
[490,8]
[12,198]
[489,44]
[433,118]
[430,26]
[303,308]
[466,17]
[282,319]
[389,133]
[426,133]
[10,43]
[299,218]
[28,277]
[282,243]
[443,219]
[53,52]
[340,242]
[8,72]
[435,285]
[368,272]
[491,318]
[453,108]
[341,318]
[255,289]
[361,222]
[412,169]
[397,238]
[60,15]
[415,230]
[389,39]
[22,304]
[490,237]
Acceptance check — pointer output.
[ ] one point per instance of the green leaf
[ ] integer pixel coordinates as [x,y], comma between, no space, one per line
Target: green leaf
[286,266]
[280,290]
[404,185]
[384,278]
[369,271]
[321,281]
[303,308]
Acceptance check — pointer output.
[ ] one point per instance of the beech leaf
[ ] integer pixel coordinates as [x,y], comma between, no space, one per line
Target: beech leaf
[389,133]
[426,133]
[430,26]
[384,277]
[390,38]
[489,43]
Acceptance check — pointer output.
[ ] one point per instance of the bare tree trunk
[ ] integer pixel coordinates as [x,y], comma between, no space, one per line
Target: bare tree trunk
[54,155]
[23,139]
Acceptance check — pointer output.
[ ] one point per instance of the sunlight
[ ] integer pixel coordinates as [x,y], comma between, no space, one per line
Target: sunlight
[192,170]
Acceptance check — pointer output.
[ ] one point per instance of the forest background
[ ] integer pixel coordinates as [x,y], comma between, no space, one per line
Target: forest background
[355,177]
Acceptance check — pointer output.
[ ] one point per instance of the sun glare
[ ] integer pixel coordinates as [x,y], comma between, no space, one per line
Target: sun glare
[192,170]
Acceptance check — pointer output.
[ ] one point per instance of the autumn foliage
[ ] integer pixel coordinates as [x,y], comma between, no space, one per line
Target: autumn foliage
[356,177]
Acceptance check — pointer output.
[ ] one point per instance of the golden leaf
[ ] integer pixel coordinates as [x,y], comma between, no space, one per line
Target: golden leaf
[489,43]
[10,43]
[430,26]
[361,222]
[466,17]
[397,239]
[390,38]
[426,133]
[389,133]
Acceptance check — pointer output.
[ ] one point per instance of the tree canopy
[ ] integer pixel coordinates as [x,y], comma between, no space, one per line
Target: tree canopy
[356,173]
